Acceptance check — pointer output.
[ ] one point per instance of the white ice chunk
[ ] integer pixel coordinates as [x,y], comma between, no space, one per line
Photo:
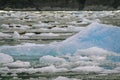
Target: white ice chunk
[88,69]
[51,60]
[65,78]
[4,58]
[57,28]
[29,34]
[18,64]
[6,26]
[3,35]
[48,69]
[75,28]
[48,34]
[4,70]
[41,25]
[52,69]
[16,35]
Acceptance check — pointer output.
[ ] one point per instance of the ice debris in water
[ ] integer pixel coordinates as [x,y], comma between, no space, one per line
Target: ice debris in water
[48,34]
[99,35]
[88,69]
[16,35]
[4,70]
[85,60]
[18,64]
[5,26]
[52,69]
[3,35]
[48,69]
[4,58]
[40,25]
[65,78]
[48,60]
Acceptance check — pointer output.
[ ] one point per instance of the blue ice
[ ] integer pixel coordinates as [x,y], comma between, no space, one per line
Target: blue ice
[99,35]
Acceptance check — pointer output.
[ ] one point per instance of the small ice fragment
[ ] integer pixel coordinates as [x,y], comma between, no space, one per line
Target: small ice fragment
[4,58]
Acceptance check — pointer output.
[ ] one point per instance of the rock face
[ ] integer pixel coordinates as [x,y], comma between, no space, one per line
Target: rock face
[60,4]
[38,4]
[101,4]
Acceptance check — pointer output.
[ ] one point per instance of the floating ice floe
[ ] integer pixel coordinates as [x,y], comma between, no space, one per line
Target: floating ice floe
[65,78]
[53,69]
[41,25]
[48,69]
[4,70]
[15,26]
[48,60]
[57,28]
[5,58]
[16,35]
[75,28]
[88,69]
[18,64]
[88,51]
[3,35]
[48,34]
[29,34]
[84,21]
[102,36]
[6,26]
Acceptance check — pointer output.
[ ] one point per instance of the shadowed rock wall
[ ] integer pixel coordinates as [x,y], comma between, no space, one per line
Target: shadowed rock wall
[60,4]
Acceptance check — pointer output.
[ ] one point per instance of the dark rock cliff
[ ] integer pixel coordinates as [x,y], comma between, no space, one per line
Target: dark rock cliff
[60,4]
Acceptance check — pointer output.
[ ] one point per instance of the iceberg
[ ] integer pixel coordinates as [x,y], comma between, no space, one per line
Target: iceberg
[100,35]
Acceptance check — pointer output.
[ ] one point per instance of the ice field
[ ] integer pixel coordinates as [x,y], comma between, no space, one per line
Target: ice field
[59,45]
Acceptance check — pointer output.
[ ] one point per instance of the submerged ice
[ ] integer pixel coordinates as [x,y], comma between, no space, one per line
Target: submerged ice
[99,35]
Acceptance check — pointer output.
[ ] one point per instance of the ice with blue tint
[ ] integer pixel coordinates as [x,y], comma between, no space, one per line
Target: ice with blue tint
[100,35]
